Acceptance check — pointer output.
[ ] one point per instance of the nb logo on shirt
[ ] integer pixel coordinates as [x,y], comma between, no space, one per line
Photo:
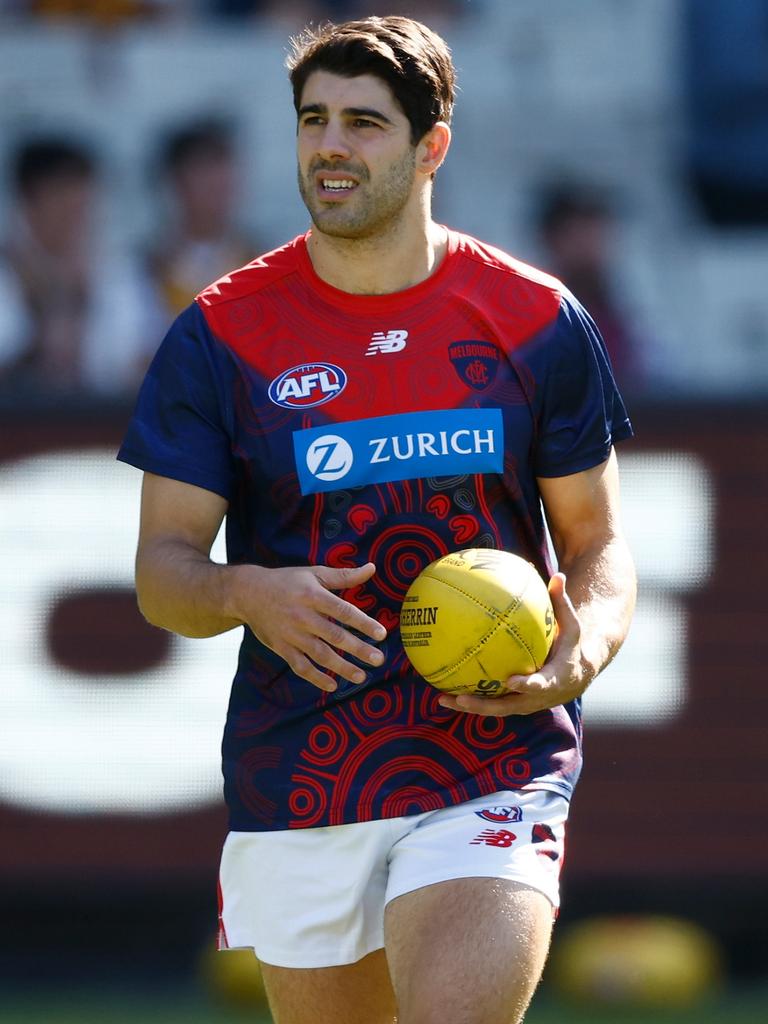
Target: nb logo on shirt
[392,341]
[415,445]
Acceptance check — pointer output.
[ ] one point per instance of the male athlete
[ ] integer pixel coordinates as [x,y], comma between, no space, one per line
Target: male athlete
[374,394]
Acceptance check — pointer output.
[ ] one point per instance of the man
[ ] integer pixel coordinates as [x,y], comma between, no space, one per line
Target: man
[369,812]
[71,319]
[200,240]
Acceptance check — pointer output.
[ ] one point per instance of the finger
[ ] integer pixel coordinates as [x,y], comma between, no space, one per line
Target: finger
[345,577]
[490,707]
[349,615]
[301,666]
[325,657]
[336,636]
[537,682]
[565,613]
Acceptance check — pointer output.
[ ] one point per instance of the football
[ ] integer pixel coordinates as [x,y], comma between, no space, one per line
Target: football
[475,617]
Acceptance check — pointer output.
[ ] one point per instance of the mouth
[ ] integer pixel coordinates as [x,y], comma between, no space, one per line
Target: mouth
[334,186]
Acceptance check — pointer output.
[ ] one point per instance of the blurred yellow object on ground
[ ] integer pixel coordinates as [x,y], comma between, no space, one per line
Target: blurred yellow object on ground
[635,961]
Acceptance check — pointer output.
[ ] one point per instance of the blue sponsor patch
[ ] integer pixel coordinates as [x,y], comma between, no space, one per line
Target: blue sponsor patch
[448,442]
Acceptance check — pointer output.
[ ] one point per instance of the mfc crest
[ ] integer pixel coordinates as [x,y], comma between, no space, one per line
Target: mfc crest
[476,362]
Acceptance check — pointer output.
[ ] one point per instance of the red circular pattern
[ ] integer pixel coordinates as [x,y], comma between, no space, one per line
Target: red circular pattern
[327,743]
[403,555]
[513,769]
[487,732]
[308,801]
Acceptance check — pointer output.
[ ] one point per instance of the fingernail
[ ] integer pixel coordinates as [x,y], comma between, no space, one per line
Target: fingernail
[359,677]
[377,658]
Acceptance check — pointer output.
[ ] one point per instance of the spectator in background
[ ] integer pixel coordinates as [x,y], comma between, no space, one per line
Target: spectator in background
[726,65]
[72,318]
[202,241]
[576,227]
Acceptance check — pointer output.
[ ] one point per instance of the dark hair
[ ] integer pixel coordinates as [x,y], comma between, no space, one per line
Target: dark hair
[409,57]
[212,137]
[49,159]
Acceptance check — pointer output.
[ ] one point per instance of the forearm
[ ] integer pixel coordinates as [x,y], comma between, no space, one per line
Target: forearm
[182,590]
[602,586]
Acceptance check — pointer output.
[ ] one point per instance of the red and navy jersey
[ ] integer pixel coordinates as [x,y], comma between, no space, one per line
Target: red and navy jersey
[394,429]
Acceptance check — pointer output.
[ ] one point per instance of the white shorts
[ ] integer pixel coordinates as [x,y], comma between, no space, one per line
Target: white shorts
[315,897]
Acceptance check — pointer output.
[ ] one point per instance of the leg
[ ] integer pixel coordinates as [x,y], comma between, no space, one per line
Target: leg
[359,993]
[467,951]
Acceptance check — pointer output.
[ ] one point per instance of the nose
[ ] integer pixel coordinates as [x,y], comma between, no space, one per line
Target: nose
[334,142]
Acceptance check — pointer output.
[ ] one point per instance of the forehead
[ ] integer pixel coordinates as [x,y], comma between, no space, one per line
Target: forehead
[337,92]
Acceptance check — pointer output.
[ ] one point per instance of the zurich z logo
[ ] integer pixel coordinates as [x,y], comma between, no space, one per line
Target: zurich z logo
[392,341]
[444,442]
[307,385]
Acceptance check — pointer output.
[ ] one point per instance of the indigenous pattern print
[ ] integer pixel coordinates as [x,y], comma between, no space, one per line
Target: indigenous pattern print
[343,429]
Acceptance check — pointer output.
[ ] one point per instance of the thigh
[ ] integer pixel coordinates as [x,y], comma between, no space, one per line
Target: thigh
[359,993]
[467,951]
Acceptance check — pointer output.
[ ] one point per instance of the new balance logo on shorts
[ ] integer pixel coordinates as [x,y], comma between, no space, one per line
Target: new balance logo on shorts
[392,341]
[494,837]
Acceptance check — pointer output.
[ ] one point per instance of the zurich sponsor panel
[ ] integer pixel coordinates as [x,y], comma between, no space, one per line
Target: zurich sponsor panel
[406,446]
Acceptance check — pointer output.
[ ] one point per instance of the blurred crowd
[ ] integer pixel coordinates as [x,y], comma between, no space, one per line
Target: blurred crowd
[74,319]
[78,318]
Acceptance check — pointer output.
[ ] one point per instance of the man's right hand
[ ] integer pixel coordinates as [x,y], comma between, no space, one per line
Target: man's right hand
[295,613]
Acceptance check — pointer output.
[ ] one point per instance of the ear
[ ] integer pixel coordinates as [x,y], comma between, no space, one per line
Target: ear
[433,148]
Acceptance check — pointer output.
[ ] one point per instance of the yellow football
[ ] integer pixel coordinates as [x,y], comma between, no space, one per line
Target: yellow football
[475,617]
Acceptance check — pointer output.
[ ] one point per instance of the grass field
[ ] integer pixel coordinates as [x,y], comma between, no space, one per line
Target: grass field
[742,1006]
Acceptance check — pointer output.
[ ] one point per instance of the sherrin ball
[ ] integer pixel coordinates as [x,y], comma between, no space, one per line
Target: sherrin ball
[475,617]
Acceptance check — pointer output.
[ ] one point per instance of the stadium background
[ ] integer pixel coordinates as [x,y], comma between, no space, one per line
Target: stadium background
[111,834]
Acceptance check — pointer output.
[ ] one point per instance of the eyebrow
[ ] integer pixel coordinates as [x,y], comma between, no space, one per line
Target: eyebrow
[321,108]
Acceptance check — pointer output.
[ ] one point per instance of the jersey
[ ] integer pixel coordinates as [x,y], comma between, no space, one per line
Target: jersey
[394,429]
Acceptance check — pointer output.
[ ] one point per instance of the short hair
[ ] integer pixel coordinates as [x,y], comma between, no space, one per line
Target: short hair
[50,159]
[410,58]
[212,137]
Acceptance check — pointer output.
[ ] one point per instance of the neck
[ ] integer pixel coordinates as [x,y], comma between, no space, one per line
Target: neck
[407,251]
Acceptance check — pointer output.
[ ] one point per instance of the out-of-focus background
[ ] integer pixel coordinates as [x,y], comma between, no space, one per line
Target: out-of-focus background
[146,147]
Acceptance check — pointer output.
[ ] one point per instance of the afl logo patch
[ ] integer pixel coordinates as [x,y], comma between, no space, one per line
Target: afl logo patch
[310,384]
[500,814]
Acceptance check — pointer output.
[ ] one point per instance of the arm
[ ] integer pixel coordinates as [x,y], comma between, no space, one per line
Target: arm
[292,610]
[594,614]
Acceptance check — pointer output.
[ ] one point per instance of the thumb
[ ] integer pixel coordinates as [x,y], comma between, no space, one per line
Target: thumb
[565,613]
[342,579]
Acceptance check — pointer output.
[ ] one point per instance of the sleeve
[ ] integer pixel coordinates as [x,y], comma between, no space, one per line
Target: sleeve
[181,426]
[579,411]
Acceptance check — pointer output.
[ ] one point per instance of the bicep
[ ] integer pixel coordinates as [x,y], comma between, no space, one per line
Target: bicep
[177,511]
[582,509]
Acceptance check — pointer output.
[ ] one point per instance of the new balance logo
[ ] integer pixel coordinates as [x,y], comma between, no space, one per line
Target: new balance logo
[392,341]
[494,837]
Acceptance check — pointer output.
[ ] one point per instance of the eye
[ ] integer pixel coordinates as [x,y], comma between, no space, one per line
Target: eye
[363,122]
[312,119]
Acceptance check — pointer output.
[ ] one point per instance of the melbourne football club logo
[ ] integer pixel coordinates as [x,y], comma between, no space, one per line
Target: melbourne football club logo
[307,385]
[476,362]
[506,813]
[392,341]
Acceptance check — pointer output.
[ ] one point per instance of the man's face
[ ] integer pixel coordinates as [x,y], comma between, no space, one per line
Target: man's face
[356,163]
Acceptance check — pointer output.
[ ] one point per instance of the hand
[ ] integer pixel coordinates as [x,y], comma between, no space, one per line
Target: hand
[294,613]
[562,678]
